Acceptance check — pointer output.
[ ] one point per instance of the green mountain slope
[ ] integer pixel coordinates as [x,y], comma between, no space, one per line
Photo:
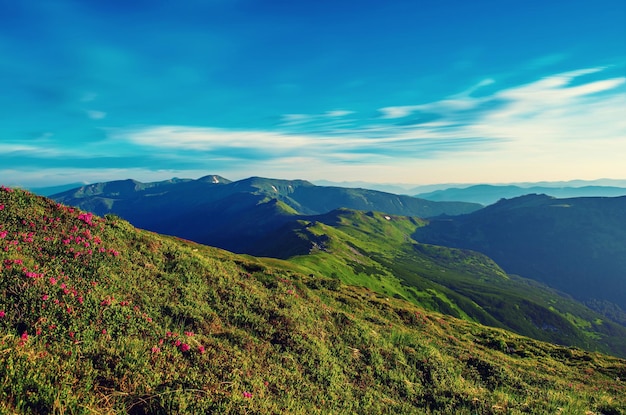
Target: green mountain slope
[376,250]
[576,245]
[99,317]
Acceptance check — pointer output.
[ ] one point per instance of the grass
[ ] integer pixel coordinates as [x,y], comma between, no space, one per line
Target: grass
[100,317]
[376,251]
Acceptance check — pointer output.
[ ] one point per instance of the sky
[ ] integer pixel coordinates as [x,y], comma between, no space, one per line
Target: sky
[397,91]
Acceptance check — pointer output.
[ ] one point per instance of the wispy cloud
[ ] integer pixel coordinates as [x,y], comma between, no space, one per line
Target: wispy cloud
[338,113]
[568,122]
[96,115]
[555,117]
[549,110]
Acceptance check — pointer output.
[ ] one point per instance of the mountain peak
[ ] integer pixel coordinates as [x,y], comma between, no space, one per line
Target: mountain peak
[214,178]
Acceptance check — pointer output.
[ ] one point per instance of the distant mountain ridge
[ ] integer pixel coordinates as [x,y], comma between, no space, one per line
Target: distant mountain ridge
[232,215]
[425,189]
[488,194]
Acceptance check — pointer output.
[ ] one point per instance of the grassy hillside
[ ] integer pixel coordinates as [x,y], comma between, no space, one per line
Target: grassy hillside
[99,317]
[376,250]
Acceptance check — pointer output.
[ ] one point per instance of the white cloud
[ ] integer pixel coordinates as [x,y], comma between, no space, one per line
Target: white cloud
[207,139]
[521,120]
[398,112]
[11,148]
[96,115]
[338,113]
[294,119]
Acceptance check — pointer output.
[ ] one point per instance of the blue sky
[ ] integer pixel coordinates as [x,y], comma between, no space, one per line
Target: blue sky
[398,92]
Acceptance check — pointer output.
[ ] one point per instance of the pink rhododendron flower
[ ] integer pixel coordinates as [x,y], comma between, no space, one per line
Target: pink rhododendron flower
[2,314]
[184,347]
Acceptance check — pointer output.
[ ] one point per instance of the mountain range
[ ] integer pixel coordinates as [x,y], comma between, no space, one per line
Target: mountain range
[235,215]
[340,232]
[97,316]
[489,194]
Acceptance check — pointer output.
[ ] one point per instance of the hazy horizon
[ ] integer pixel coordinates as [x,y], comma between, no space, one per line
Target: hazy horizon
[379,92]
[399,188]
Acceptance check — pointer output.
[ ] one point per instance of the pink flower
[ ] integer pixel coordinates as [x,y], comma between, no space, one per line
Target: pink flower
[24,336]
[45,297]
[3,234]
[189,333]
[247,395]
[2,314]
[155,349]
[184,347]
[1,207]
[201,349]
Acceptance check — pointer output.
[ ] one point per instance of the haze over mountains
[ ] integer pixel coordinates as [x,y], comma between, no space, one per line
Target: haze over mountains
[477,193]
[489,194]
